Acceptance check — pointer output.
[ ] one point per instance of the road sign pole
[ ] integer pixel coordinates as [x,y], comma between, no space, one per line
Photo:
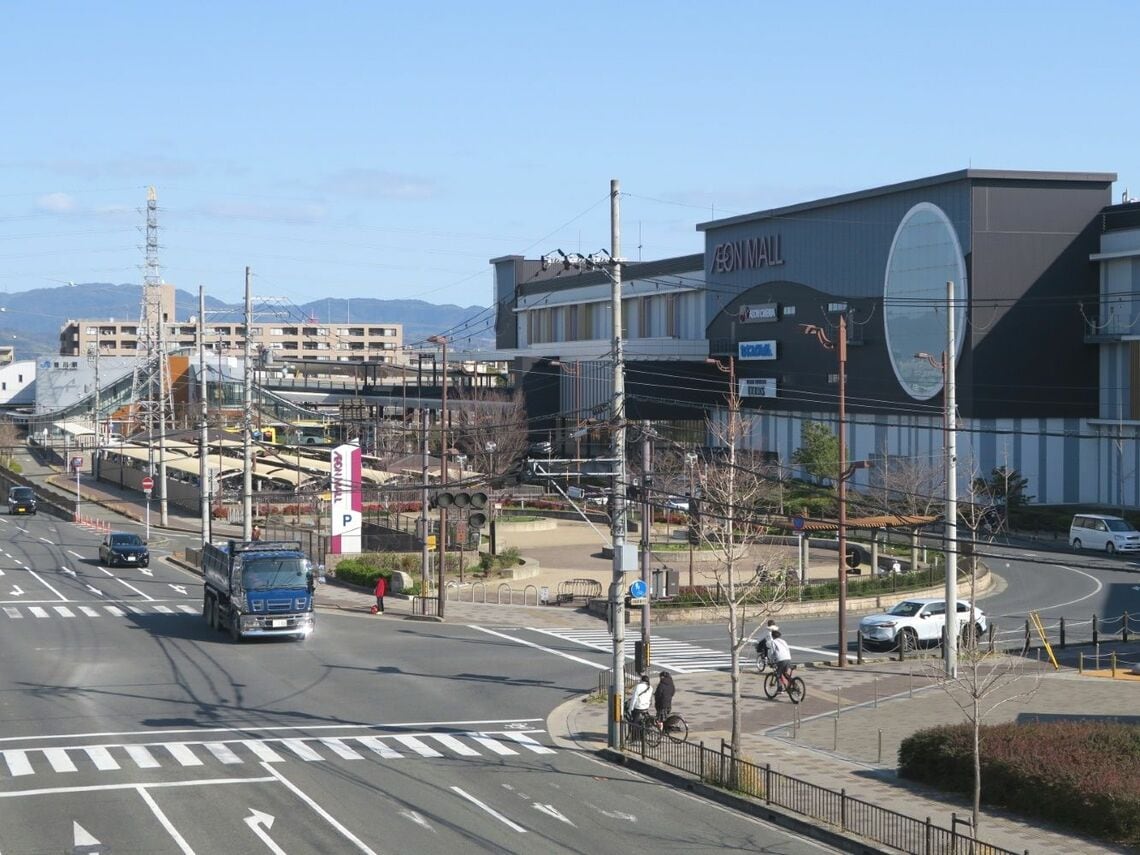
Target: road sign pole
[148,515]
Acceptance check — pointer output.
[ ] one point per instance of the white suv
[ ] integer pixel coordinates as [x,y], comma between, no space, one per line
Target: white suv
[912,622]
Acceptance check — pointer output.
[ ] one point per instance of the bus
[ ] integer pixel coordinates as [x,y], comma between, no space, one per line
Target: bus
[310,433]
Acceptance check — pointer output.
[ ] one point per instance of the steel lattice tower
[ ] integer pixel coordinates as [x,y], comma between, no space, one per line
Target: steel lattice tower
[151,397]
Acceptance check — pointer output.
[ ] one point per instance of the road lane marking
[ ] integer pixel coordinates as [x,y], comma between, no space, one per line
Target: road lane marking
[136,590]
[528,743]
[453,744]
[421,748]
[165,822]
[262,751]
[491,811]
[63,611]
[59,760]
[95,788]
[320,810]
[337,747]
[90,612]
[493,744]
[298,747]
[101,757]
[540,647]
[385,751]
[18,763]
[142,757]
[40,579]
[38,612]
[181,752]
[222,751]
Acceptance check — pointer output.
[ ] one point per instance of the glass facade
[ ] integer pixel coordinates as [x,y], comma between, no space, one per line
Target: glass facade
[925,255]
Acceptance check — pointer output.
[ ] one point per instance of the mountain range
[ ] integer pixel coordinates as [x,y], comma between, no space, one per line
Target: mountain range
[31,320]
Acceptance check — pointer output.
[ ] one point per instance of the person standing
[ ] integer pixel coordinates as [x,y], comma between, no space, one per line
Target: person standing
[381,590]
[663,695]
[255,534]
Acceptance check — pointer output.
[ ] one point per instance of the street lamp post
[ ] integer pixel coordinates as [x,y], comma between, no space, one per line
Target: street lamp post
[442,545]
[691,463]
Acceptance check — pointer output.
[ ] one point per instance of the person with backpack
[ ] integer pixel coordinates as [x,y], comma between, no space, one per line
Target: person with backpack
[663,695]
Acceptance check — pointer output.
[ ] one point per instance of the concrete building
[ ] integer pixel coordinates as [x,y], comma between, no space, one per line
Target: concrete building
[1033,257]
[287,340]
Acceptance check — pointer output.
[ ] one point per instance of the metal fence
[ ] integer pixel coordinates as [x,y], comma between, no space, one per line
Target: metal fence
[835,808]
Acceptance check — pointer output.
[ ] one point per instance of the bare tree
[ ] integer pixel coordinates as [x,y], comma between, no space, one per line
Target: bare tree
[986,679]
[490,428]
[745,576]
[8,442]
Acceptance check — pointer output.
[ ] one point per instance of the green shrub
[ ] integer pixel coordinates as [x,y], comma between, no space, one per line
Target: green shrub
[1079,774]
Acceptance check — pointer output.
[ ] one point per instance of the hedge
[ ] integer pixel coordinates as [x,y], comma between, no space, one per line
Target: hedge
[1084,775]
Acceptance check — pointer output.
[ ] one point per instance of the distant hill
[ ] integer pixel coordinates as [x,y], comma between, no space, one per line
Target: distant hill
[30,320]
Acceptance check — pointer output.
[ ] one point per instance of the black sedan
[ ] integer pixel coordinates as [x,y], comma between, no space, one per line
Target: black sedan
[120,547]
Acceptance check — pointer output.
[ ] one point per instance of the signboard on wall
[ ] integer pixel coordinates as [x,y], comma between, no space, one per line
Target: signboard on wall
[760,313]
[756,350]
[757,387]
[346,505]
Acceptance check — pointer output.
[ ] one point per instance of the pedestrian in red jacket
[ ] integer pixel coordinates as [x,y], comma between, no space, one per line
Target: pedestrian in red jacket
[381,590]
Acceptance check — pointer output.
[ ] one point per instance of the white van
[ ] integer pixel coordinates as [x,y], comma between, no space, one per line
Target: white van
[1098,531]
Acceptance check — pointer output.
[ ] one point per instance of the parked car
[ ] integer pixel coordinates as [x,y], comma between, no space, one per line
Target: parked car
[677,503]
[21,500]
[125,548]
[916,621]
[1100,531]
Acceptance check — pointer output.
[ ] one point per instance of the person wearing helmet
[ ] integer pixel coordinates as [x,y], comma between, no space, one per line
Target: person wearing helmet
[663,695]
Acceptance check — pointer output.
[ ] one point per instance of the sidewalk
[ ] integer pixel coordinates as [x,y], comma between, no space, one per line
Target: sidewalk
[842,720]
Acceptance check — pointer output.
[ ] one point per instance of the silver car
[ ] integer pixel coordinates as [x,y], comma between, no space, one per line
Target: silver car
[916,621]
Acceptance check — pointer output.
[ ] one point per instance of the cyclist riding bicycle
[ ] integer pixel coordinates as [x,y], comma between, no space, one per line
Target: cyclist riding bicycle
[782,654]
[764,642]
[637,706]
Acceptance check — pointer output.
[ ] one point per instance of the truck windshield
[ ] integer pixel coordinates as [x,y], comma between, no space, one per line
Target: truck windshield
[262,573]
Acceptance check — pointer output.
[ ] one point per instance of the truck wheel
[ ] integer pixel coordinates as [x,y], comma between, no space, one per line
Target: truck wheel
[235,629]
[208,612]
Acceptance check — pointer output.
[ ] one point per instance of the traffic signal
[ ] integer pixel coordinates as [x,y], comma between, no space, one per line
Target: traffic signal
[694,509]
[694,535]
[473,503]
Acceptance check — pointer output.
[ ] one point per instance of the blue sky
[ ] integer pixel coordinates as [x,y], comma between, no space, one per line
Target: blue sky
[370,149]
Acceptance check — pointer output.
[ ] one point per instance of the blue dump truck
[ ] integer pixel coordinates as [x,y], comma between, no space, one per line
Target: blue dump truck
[258,587]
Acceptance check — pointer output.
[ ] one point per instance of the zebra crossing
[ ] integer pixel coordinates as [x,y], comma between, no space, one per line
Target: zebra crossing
[22,762]
[680,656]
[95,610]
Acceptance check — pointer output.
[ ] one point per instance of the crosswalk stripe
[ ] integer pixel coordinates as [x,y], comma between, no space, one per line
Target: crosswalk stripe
[59,760]
[142,756]
[338,748]
[417,746]
[166,610]
[381,748]
[64,611]
[115,610]
[189,610]
[263,751]
[453,744]
[681,656]
[493,744]
[528,743]
[12,612]
[18,763]
[222,751]
[181,752]
[37,611]
[298,747]
[101,757]
[90,612]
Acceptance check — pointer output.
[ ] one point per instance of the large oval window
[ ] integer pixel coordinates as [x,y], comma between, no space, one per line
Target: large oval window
[925,255]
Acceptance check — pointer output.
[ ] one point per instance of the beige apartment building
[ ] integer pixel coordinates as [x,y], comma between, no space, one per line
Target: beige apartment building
[286,340]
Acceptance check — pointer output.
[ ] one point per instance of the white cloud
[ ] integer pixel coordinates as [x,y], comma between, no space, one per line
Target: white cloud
[57,203]
[379,184]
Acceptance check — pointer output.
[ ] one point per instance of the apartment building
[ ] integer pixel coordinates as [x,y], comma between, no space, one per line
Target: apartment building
[310,341]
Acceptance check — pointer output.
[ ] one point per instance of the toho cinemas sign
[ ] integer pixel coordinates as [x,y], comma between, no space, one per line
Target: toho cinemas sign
[747,253]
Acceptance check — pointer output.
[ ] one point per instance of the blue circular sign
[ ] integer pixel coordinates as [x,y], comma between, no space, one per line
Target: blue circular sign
[637,589]
[798,523]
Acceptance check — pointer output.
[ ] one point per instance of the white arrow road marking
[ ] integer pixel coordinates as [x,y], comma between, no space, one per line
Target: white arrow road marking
[146,571]
[16,591]
[94,590]
[82,836]
[490,810]
[260,823]
[551,810]
[613,814]
[67,570]
[179,588]
[416,818]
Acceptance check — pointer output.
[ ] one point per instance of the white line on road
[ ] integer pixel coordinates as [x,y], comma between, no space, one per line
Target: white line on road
[40,579]
[540,647]
[136,590]
[76,554]
[166,823]
[1095,591]
[55,791]
[319,810]
[490,810]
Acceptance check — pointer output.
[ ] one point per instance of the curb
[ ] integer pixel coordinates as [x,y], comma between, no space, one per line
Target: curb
[753,807]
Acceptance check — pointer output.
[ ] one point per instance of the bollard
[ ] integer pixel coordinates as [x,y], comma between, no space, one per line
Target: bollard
[1081,662]
[768,783]
[1124,629]
[880,760]
[1061,643]
[909,683]
[835,734]
[1095,640]
[1028,639]
[993,635]
[875,683]
[859,647]
[1113,660]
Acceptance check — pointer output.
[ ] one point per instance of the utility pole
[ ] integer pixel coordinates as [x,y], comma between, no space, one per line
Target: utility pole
[646,542]
[951,550]
[204,423]
[93,355]
[841,348]
[425,556]
[164,398]
[617,585]
[247,417]
[442,569]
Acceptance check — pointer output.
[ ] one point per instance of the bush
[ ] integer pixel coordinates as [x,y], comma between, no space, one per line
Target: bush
[1079,774]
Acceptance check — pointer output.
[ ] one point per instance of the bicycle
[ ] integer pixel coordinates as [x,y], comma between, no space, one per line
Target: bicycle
[762,660]
[794,686]
[652,728]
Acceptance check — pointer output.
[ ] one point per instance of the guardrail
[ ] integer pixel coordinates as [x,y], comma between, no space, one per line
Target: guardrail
[834,808]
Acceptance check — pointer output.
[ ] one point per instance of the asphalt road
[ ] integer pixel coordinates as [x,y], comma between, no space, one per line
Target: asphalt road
[126,725]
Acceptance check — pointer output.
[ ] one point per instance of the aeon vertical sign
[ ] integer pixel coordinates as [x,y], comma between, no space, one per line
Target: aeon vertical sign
[346,502]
